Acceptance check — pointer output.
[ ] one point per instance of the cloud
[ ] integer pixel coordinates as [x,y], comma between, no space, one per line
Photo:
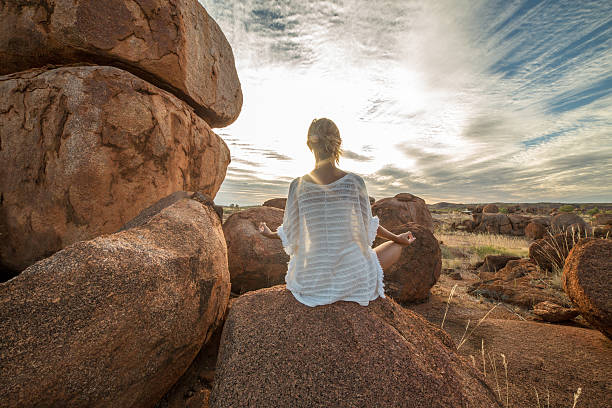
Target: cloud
[355,156]
[452,100]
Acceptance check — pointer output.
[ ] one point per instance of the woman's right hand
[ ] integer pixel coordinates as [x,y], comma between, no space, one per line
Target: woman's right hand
[405,239]
[264,229]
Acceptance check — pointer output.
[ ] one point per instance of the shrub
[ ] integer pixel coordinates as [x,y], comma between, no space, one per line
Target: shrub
[503,210]
[567,208]
[593,211]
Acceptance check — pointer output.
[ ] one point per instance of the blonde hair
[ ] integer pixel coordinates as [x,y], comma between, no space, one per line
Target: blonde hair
[324,137]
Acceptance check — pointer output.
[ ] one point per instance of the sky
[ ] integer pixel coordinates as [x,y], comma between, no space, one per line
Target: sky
[459,100]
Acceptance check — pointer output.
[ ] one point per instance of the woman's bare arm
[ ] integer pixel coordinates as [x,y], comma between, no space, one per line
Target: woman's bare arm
[266,232]
[399,239]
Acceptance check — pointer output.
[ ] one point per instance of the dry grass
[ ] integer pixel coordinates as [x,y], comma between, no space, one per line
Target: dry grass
[461,249]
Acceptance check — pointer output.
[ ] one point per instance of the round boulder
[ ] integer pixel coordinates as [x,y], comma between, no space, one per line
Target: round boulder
[603,219]
[535,230]
[490,208]
[277,352]
[276,203]
[586,280]
[550,252]
[173,44]
[85,148]
[115,321]
[494,224]
[402,208]
[419,266]
[568,221]
[255,261]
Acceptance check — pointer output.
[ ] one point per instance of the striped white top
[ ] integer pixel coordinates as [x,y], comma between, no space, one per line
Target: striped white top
[328,231]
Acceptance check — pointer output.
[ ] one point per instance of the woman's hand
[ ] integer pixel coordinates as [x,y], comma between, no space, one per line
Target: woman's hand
[405,239]
[265,230]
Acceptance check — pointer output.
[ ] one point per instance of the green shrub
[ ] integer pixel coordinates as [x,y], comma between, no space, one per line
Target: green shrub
[593,211]
[567,208]
[503,210]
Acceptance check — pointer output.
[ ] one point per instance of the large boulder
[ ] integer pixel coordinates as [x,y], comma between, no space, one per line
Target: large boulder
[255,261]
[494,263]
[603,219]
[568,221]
[277,352]
[490,209]
[173,44]
[535,230]
[520,283]
[419,266]
[550,252]
[554,313]
[84,149]
[276,203]
[402,208]
[519,223]
[494,224]
[587,278]
[115,321]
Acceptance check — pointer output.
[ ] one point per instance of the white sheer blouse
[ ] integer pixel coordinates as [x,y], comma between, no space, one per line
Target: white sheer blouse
[328,231]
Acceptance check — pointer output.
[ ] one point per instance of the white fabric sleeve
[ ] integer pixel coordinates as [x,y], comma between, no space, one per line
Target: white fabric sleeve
[289,231]
[370,223]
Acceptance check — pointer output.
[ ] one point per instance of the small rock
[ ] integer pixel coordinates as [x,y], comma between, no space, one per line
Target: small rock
[552,312]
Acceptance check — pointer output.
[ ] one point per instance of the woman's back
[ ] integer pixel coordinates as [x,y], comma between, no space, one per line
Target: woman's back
[328,231]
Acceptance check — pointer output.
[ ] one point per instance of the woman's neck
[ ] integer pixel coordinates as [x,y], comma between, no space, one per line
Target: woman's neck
[321,164]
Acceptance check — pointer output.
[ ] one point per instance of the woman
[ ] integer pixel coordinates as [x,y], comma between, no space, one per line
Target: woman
[328,230]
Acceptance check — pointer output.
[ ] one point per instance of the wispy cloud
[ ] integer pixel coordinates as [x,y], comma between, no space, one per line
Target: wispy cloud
[450,100]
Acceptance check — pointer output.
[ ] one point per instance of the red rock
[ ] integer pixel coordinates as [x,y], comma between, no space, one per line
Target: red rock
[490,208]
[519,283]
[564,221]
[276,203]
[552,312]
[604,231]
[115,321]
[277,352]
[494,263]
[535,230]
[519,223]
[402,208]
[174,44]
[494,224]
[84,149]
[587,278]
[255,261]
[550,252]
[419,266]
[603,219]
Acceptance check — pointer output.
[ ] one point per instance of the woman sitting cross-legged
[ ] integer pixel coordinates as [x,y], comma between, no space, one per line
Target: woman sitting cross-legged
[328,230]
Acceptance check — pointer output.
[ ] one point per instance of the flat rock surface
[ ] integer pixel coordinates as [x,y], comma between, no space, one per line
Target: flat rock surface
[115,321]
[277,352]
[84,149]
[173,44]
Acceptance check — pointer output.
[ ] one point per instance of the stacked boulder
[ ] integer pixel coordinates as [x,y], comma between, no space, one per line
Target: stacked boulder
[402,208]
[123,121]
[107,109]
[420,264]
